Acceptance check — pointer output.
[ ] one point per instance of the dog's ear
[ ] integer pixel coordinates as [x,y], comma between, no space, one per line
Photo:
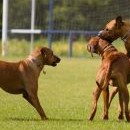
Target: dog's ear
[119,22]
[44,52]
[91,49]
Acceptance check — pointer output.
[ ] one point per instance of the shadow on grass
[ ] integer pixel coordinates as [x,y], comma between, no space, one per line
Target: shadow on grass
[67,120]
[17,119]
[34,119]
[20,119]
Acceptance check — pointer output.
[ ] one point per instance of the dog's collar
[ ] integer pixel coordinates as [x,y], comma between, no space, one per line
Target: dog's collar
[108,48]
[32,59]
[35,61]
[125,37]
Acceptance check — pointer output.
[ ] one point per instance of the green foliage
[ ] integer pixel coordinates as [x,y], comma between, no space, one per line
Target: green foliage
[67,14]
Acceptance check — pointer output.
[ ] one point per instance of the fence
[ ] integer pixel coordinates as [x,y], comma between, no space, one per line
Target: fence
[56,17]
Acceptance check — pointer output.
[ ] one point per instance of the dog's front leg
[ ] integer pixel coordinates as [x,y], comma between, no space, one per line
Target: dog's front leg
[32,98]
[96,94]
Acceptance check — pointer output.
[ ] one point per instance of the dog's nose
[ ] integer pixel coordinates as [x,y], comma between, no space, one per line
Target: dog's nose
[100,32]
[58,59]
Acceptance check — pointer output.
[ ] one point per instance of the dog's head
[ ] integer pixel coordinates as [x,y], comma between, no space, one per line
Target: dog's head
[92,45]
[96,45]
[113,30]
[45,55]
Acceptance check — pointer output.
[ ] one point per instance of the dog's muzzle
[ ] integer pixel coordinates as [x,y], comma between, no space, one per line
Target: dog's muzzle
[100,33]
[91,49]
[57,60]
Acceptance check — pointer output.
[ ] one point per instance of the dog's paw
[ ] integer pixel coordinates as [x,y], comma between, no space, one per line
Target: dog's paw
[120,117]
[44,118]
[105,117]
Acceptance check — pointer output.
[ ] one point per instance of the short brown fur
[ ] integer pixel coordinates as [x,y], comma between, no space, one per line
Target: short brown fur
[22,77]
[110,69]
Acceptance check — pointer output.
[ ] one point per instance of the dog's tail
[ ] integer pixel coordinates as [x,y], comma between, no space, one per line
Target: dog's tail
[107,75]
[108,71]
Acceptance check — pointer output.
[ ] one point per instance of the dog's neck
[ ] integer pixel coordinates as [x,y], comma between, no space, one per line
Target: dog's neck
[106,50]
[38,64]
[126,36]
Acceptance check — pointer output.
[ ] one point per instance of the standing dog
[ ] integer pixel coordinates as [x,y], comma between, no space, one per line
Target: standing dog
[110,69]
[22,77]
[114,29]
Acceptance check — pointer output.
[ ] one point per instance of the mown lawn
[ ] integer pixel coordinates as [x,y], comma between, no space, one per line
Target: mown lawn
[65,93]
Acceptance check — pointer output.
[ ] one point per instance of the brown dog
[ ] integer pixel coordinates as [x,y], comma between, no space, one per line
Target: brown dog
[114,29]
[112,62]
[117,28]
[22,77]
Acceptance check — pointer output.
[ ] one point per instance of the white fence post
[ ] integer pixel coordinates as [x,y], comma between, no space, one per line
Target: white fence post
[32,23]
[4,27]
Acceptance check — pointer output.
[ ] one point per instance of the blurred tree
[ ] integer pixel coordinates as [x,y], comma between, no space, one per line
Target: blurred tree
[67,14]
[19,14]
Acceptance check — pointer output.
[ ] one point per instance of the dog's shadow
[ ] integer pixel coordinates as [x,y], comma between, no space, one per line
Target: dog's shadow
[65,120]
[17,119]
[34,119]
[20,119]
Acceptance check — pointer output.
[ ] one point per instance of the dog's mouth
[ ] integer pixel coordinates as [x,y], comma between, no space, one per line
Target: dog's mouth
[91,49]
[54,63]
[105,36]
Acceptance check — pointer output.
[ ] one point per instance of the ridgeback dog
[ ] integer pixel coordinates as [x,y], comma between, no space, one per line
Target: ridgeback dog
[110,69]
[22,77]
[117,28]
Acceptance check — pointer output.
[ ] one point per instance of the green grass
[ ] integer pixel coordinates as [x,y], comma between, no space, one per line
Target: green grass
[20,47]
[65,93]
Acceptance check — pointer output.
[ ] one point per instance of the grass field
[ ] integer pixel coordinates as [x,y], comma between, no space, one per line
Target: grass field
[65,93]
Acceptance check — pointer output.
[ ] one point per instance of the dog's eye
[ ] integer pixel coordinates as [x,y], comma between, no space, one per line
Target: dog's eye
[52,54]
[106,29]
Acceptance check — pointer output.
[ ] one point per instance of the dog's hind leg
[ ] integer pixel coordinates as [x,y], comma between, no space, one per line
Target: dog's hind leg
[106,101]
[112,95]
[96,94]
[120,108]
[126,102]
[124,93]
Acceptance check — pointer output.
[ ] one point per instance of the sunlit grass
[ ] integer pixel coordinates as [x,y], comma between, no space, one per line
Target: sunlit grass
[65,93]
[21,47]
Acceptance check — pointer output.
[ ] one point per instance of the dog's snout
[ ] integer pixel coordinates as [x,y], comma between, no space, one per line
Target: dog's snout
[93,50]
[88,48]
[58,59]
[100,33]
